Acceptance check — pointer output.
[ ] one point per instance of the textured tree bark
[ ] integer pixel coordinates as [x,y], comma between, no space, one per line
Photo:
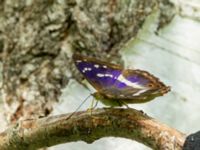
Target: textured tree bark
[126,123]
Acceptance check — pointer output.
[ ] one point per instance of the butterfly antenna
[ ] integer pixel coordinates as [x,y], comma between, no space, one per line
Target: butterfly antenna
[78,107]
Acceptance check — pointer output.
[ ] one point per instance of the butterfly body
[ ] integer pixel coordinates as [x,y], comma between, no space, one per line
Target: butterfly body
[117,86]
[114,102]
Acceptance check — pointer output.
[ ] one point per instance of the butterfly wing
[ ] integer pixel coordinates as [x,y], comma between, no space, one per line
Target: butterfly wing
[135,86]
[114,83]
[99,74]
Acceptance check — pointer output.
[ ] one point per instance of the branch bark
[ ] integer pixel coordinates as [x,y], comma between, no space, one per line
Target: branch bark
[105,122]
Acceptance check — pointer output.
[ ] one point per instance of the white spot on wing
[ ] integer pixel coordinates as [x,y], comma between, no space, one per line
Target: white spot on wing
[96,66]
[104,66]
[104,75]
[129,83]
[78,61]
[86,69]
[100,75]
[108,75]
[139,92]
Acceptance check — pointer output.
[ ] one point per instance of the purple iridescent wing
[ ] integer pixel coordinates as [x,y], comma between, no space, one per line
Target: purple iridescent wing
[136,84]
[99,74]
[112,82]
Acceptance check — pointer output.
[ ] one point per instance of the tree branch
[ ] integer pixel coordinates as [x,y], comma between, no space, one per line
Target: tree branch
[127,123]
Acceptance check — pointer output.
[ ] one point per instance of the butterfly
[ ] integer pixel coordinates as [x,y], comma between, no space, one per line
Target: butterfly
[117,86]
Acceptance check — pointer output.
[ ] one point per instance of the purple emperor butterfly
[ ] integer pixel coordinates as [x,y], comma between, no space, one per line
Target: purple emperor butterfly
[117,86]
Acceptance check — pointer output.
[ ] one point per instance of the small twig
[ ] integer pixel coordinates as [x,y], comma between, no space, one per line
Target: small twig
[82,126]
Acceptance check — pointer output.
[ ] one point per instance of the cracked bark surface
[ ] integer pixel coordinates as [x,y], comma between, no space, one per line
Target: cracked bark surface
[126,123]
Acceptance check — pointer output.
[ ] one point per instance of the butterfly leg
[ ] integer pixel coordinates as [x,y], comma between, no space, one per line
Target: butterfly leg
[96,104]
[125,104]
[122,103]
[92,106]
